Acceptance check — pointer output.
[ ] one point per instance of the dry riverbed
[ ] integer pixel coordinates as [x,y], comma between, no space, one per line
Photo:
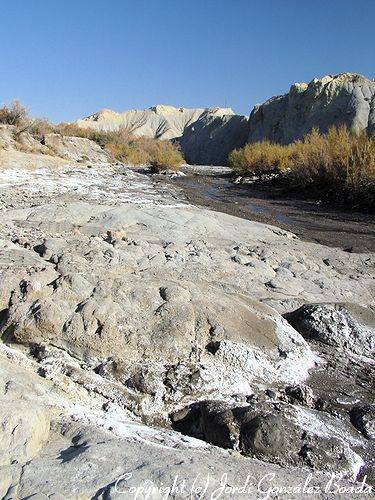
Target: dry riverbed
[134,322]
[310,220]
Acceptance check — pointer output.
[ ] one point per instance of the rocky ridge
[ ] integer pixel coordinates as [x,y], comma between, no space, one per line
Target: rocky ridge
[207,135]
[343,99]
[158,122]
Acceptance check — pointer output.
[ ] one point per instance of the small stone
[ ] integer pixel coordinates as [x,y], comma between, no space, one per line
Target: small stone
[321,404]
[300,394]
[115,235]
[21,240]
[270,393]
[363,419]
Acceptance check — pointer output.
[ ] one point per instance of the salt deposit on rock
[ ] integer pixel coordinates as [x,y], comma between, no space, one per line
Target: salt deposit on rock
[122,305]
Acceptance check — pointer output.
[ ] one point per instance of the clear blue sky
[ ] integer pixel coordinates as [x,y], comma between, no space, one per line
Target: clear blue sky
[65,59]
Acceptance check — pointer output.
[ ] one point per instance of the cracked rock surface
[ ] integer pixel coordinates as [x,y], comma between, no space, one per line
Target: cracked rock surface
[137,327]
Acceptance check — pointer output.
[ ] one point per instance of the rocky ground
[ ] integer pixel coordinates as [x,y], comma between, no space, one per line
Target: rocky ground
[149,343]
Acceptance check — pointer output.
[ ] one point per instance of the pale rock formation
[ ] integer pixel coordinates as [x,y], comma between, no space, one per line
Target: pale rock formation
[76,148]
[346,326]
[158,122]
[210,139]
[276,432]
[70,148]
[24,431]
[93,452]
[363,418]
[206,135]
[343,99]
[10,139]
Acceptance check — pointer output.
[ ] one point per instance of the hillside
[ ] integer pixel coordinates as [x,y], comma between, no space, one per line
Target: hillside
[208,135]
[346,98]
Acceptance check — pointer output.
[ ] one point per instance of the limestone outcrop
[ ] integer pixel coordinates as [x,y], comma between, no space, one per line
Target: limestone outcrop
[343,99]
[275,432]
[158,122]
[348,327]
[75,148]
[206,135]
[209,140]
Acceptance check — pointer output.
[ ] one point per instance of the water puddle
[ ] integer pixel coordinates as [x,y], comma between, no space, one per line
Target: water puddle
[284,218]
[261,209]
[212,193]
[327,226]
[256,209]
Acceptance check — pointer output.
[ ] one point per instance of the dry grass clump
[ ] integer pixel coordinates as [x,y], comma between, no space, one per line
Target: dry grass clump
[102,137]
[338,161]
[166,156]
[39,128]
[121,144]
[14,114]
[129,152]
[259,158]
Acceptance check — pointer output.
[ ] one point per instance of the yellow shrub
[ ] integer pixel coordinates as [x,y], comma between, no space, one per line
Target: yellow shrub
[361,166]
[259,158]
[166,156]
[336,161]
[123,146]
[128,153]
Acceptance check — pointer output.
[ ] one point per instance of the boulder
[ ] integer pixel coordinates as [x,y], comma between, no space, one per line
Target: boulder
[347,326]
[363,418]
[173,324]
[76,148]
[24,430]
[300,394]
[11,138]
[275,432]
